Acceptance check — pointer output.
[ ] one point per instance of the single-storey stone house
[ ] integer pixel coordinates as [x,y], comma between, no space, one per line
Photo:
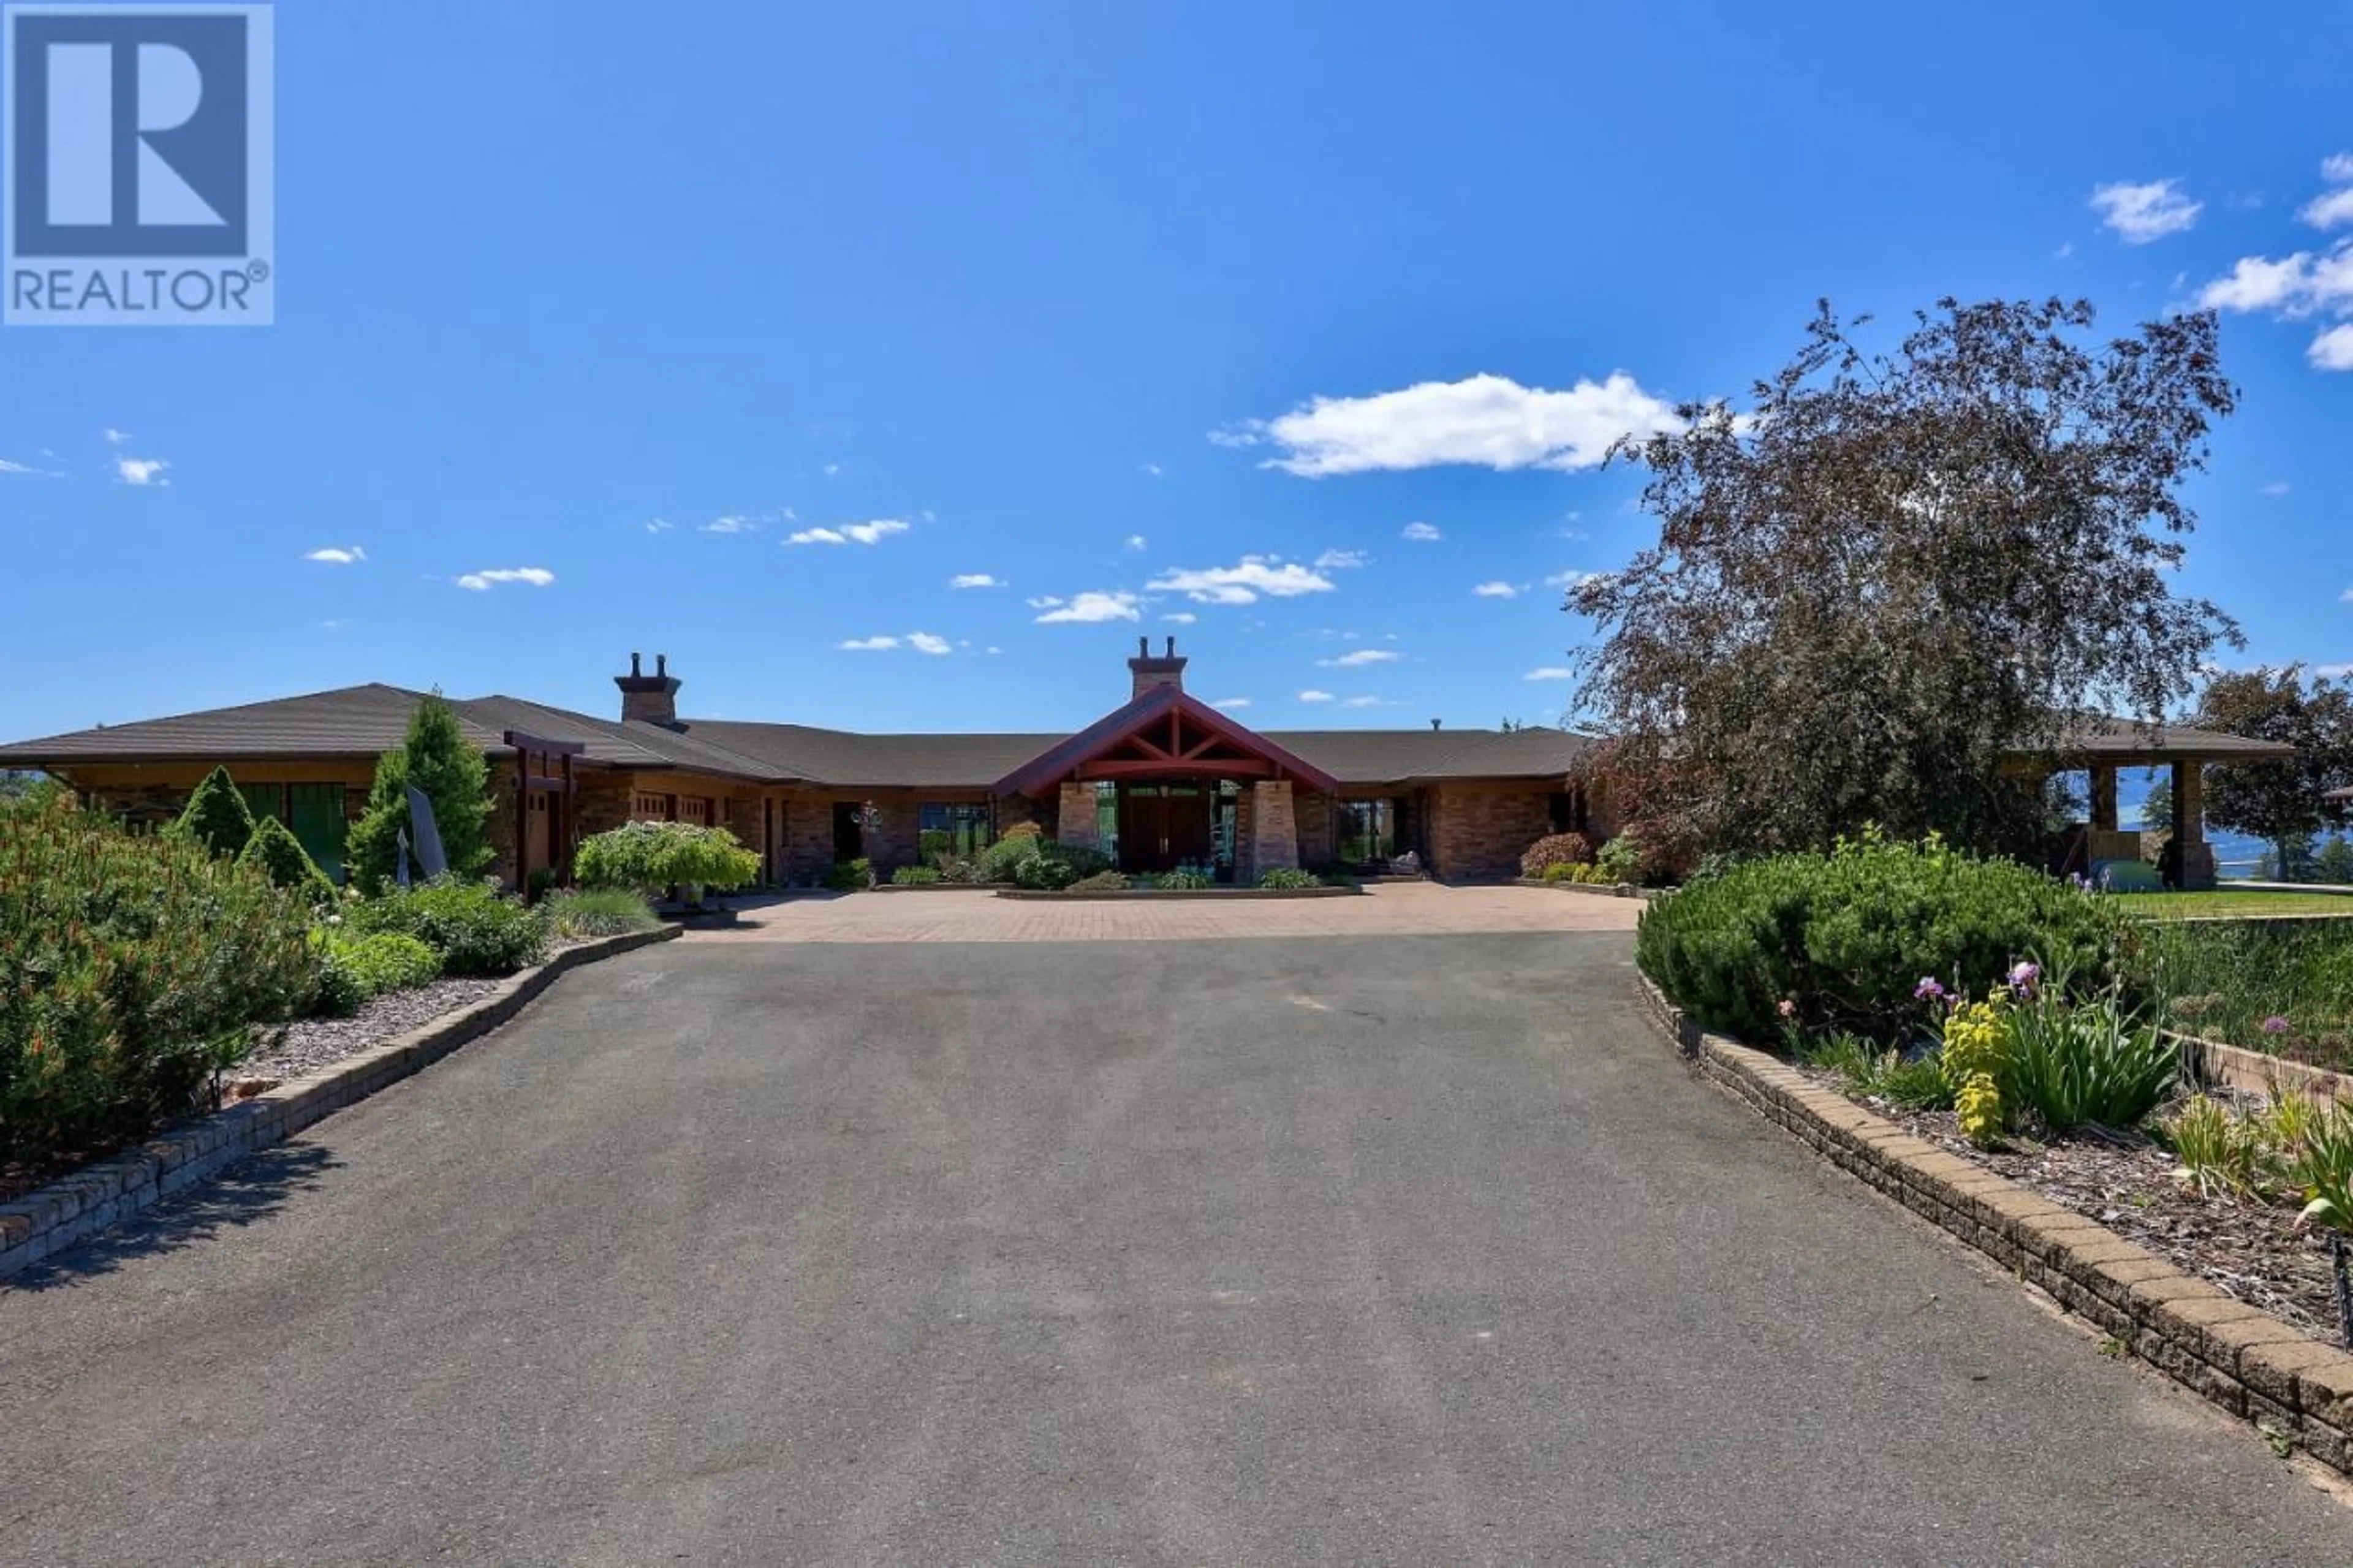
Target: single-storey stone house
[1161,780]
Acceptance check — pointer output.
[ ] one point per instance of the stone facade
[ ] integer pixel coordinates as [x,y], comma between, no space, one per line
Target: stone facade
[1312,809]
[1266,831]
[1478,832]
[1075,817]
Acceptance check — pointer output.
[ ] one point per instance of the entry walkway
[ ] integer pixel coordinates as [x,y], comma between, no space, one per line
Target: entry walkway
[1388,909]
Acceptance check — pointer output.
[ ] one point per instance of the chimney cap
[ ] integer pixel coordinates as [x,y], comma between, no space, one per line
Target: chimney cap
[1434,723]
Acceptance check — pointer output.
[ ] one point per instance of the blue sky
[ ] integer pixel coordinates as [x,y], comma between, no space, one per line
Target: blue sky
[1049,296]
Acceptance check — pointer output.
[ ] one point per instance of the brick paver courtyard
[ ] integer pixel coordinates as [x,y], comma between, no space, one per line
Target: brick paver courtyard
[1394,909]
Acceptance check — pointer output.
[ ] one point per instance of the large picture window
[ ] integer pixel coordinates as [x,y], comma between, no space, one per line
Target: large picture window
[953,827]
[1365,830]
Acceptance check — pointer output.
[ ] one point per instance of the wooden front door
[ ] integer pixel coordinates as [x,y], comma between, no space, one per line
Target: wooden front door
[1162,827]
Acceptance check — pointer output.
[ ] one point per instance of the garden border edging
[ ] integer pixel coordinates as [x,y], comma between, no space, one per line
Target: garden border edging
[2237,1356]
[74,1208]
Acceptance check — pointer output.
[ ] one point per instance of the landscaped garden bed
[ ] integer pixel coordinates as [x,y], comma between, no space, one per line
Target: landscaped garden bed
[2028,1028]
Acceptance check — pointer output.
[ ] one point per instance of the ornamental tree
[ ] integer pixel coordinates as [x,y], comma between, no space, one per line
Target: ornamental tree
[454,776]
[2283,801]
[650,858]
[1897,570]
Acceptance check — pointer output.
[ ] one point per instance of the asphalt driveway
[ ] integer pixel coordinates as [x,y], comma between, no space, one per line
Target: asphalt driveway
[1394,1249]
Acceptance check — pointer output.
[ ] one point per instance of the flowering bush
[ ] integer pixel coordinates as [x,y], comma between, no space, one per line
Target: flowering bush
[1556,849]
[650,858]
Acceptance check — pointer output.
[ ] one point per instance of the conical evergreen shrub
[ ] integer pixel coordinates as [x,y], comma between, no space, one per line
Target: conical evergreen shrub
[216,816]
[455,776]
[281,856]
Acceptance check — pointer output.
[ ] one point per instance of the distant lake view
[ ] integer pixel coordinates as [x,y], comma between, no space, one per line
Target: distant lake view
[2235,853]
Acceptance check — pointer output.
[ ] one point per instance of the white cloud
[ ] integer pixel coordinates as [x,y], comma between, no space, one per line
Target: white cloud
[116,437]
[8,468]
[2258,283]
[1570,579]
[2332,209]
[1044,602]
[1342,560]
[1359,657]
[1242,584]
[2337,168]
[338,555]
[975,580]
[144,473]
[1231,703]
[1549,672]
[848,533]
[735,523]
[1486,421]
[1499,590]
[2333,671]
[868,644]
[1091,607]
[1420,532]
[2145,212]
[831,469]
[1135,541]
[1362,702]
[1180,617]
[992,649]
[2066,248]
[1313,696]
[659,525]
[1153,469]
[482,582]
[2276,487]
[2332,350]
[925,642]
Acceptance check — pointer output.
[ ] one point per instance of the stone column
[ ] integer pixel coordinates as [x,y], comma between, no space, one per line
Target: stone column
[1272,828]
[2196,855]
[2104,798]
[1074,820]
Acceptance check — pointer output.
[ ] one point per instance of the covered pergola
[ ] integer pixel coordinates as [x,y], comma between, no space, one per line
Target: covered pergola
[2112,745]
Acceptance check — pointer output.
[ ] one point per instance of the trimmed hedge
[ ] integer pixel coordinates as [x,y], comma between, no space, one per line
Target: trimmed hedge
[1846,937]
[275,851]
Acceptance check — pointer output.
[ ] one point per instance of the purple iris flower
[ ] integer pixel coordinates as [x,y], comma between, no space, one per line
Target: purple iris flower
[1928,990]
[2276,1024]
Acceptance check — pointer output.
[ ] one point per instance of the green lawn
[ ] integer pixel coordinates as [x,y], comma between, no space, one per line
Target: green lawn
[2225,904]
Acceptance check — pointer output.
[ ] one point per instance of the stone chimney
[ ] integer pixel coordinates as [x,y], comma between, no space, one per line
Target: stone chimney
[1168,669]
[652,698]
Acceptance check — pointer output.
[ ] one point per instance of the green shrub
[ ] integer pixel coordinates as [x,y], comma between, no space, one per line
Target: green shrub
[592,912]
[452,773]
[1100,882]
[2220,1152]
[1185,879]
[1002,862]
[216,816]
[1623,859]
[133,967]
[850,876]
[1847,937]
[1584,876]
[1556,849]
[1288,876]
[357,969]
[916,876]
[1028,830]
[650,858]
[275,851]
[476,931]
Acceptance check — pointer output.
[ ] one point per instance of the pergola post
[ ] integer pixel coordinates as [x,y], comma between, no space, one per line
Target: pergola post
[2191,851]
[2103,798]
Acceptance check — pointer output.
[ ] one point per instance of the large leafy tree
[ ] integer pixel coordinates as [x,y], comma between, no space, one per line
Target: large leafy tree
[1899,570]
[452,770]
[2282,801]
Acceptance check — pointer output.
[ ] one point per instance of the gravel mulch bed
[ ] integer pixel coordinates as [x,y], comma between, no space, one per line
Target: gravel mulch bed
[315,1042]
[2249,1250]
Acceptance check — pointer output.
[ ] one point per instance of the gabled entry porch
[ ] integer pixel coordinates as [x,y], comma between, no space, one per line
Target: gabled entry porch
[1168,781]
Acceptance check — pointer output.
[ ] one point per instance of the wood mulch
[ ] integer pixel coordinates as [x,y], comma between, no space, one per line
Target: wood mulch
[2247,1248]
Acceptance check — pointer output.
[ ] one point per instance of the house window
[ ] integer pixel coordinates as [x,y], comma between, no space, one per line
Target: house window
[1365,831]
[1566,808]
[313,813]
[848,829]
[957,828]
[654,807]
